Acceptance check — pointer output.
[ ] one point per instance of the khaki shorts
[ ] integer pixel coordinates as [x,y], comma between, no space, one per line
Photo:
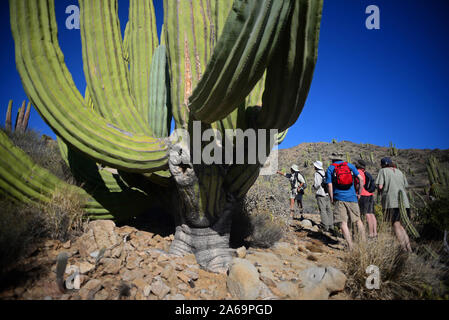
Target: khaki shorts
[344,210]
[294,193]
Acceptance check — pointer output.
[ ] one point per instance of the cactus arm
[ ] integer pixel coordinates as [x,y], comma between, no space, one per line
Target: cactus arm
[249,38]
[290,73]
[51,89]
[26,118]
[158,109]
[20,115]
[143,41]
[191,29]
[104,67]
[281,137]
[8,122]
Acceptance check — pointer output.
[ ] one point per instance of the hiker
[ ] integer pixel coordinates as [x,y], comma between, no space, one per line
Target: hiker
[297,183]
[366,200]
[322,197]
[390,181]
[340,180]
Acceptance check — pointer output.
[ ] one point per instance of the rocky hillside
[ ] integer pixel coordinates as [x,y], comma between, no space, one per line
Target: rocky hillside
[110,262]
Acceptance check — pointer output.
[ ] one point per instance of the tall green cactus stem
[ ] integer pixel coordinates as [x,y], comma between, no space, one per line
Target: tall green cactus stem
[242,65]
[371,157]
[409,225]
[348,158]
[8,122]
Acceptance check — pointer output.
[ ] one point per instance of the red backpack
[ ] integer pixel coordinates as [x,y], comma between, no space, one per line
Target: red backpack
[342,177]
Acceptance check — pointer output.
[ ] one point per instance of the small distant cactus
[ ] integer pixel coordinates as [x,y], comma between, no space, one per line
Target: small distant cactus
[22,119]
[348,158]
[306,163]
[334,141]
[371,157]
[361,156]
[393,150]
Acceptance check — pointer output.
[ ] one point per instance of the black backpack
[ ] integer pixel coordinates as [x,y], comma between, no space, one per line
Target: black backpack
[370,185]
[324,184]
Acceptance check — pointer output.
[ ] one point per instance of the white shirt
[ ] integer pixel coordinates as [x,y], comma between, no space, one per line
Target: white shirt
[319,176]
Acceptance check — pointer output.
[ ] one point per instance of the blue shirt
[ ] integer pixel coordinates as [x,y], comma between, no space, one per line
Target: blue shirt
[343,195]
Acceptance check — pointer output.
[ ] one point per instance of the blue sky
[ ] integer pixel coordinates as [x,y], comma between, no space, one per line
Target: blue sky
[370,86]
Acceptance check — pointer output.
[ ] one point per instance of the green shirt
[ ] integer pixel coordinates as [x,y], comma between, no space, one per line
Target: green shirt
[393,181]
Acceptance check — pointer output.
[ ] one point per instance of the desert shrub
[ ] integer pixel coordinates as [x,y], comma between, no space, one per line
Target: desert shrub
[63,215]
[20,226]
[44,153]
[24,224]
[265,230]
[403,275]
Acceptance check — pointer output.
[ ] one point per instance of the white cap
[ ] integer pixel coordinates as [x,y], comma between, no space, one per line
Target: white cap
[295,168]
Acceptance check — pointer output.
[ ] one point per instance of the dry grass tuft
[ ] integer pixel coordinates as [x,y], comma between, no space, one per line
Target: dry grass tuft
[64,214]
[265,230]
[403,275]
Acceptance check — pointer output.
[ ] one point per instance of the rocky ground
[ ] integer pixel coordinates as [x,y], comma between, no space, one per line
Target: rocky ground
[123,263]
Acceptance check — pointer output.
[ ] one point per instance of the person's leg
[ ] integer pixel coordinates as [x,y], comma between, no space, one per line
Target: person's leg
[402,236]
[323,213]
[341,216]
[354,217]
[372,225]
[329,214]
[292,207]
[346,234]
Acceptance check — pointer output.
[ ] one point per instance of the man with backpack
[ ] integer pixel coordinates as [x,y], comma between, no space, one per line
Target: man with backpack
[322,197]
[366,200]
[298,184]
[340,180]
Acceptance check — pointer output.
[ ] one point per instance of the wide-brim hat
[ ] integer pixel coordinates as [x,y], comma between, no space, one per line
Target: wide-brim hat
[295,168]
[361,164]
[337,156]
[318,165]
[386,161]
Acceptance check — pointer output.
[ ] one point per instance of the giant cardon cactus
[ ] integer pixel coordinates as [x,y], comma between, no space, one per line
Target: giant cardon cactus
[246,64]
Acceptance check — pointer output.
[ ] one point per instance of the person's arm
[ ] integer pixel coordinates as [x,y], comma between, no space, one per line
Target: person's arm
[280,172]
[361,184]
[331,192]
[316,181]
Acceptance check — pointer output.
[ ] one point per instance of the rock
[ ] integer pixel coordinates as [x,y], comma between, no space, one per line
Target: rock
[306,223]
[133,261]
[283,248]
[140,283]
[111,266]
[159,288]
[288,289]
[319,282]
[182,287]
[88,291]
[265,259]
[241,252]
[86,243]
[243,280]
[267,277]
[102,295]
[167,272]
[86,267]
[147,290]
[66,245]
[103,230]
[130,275]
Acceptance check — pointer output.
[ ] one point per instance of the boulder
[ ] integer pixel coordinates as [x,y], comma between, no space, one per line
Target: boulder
[319,282]
[283,248]
[243,280]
